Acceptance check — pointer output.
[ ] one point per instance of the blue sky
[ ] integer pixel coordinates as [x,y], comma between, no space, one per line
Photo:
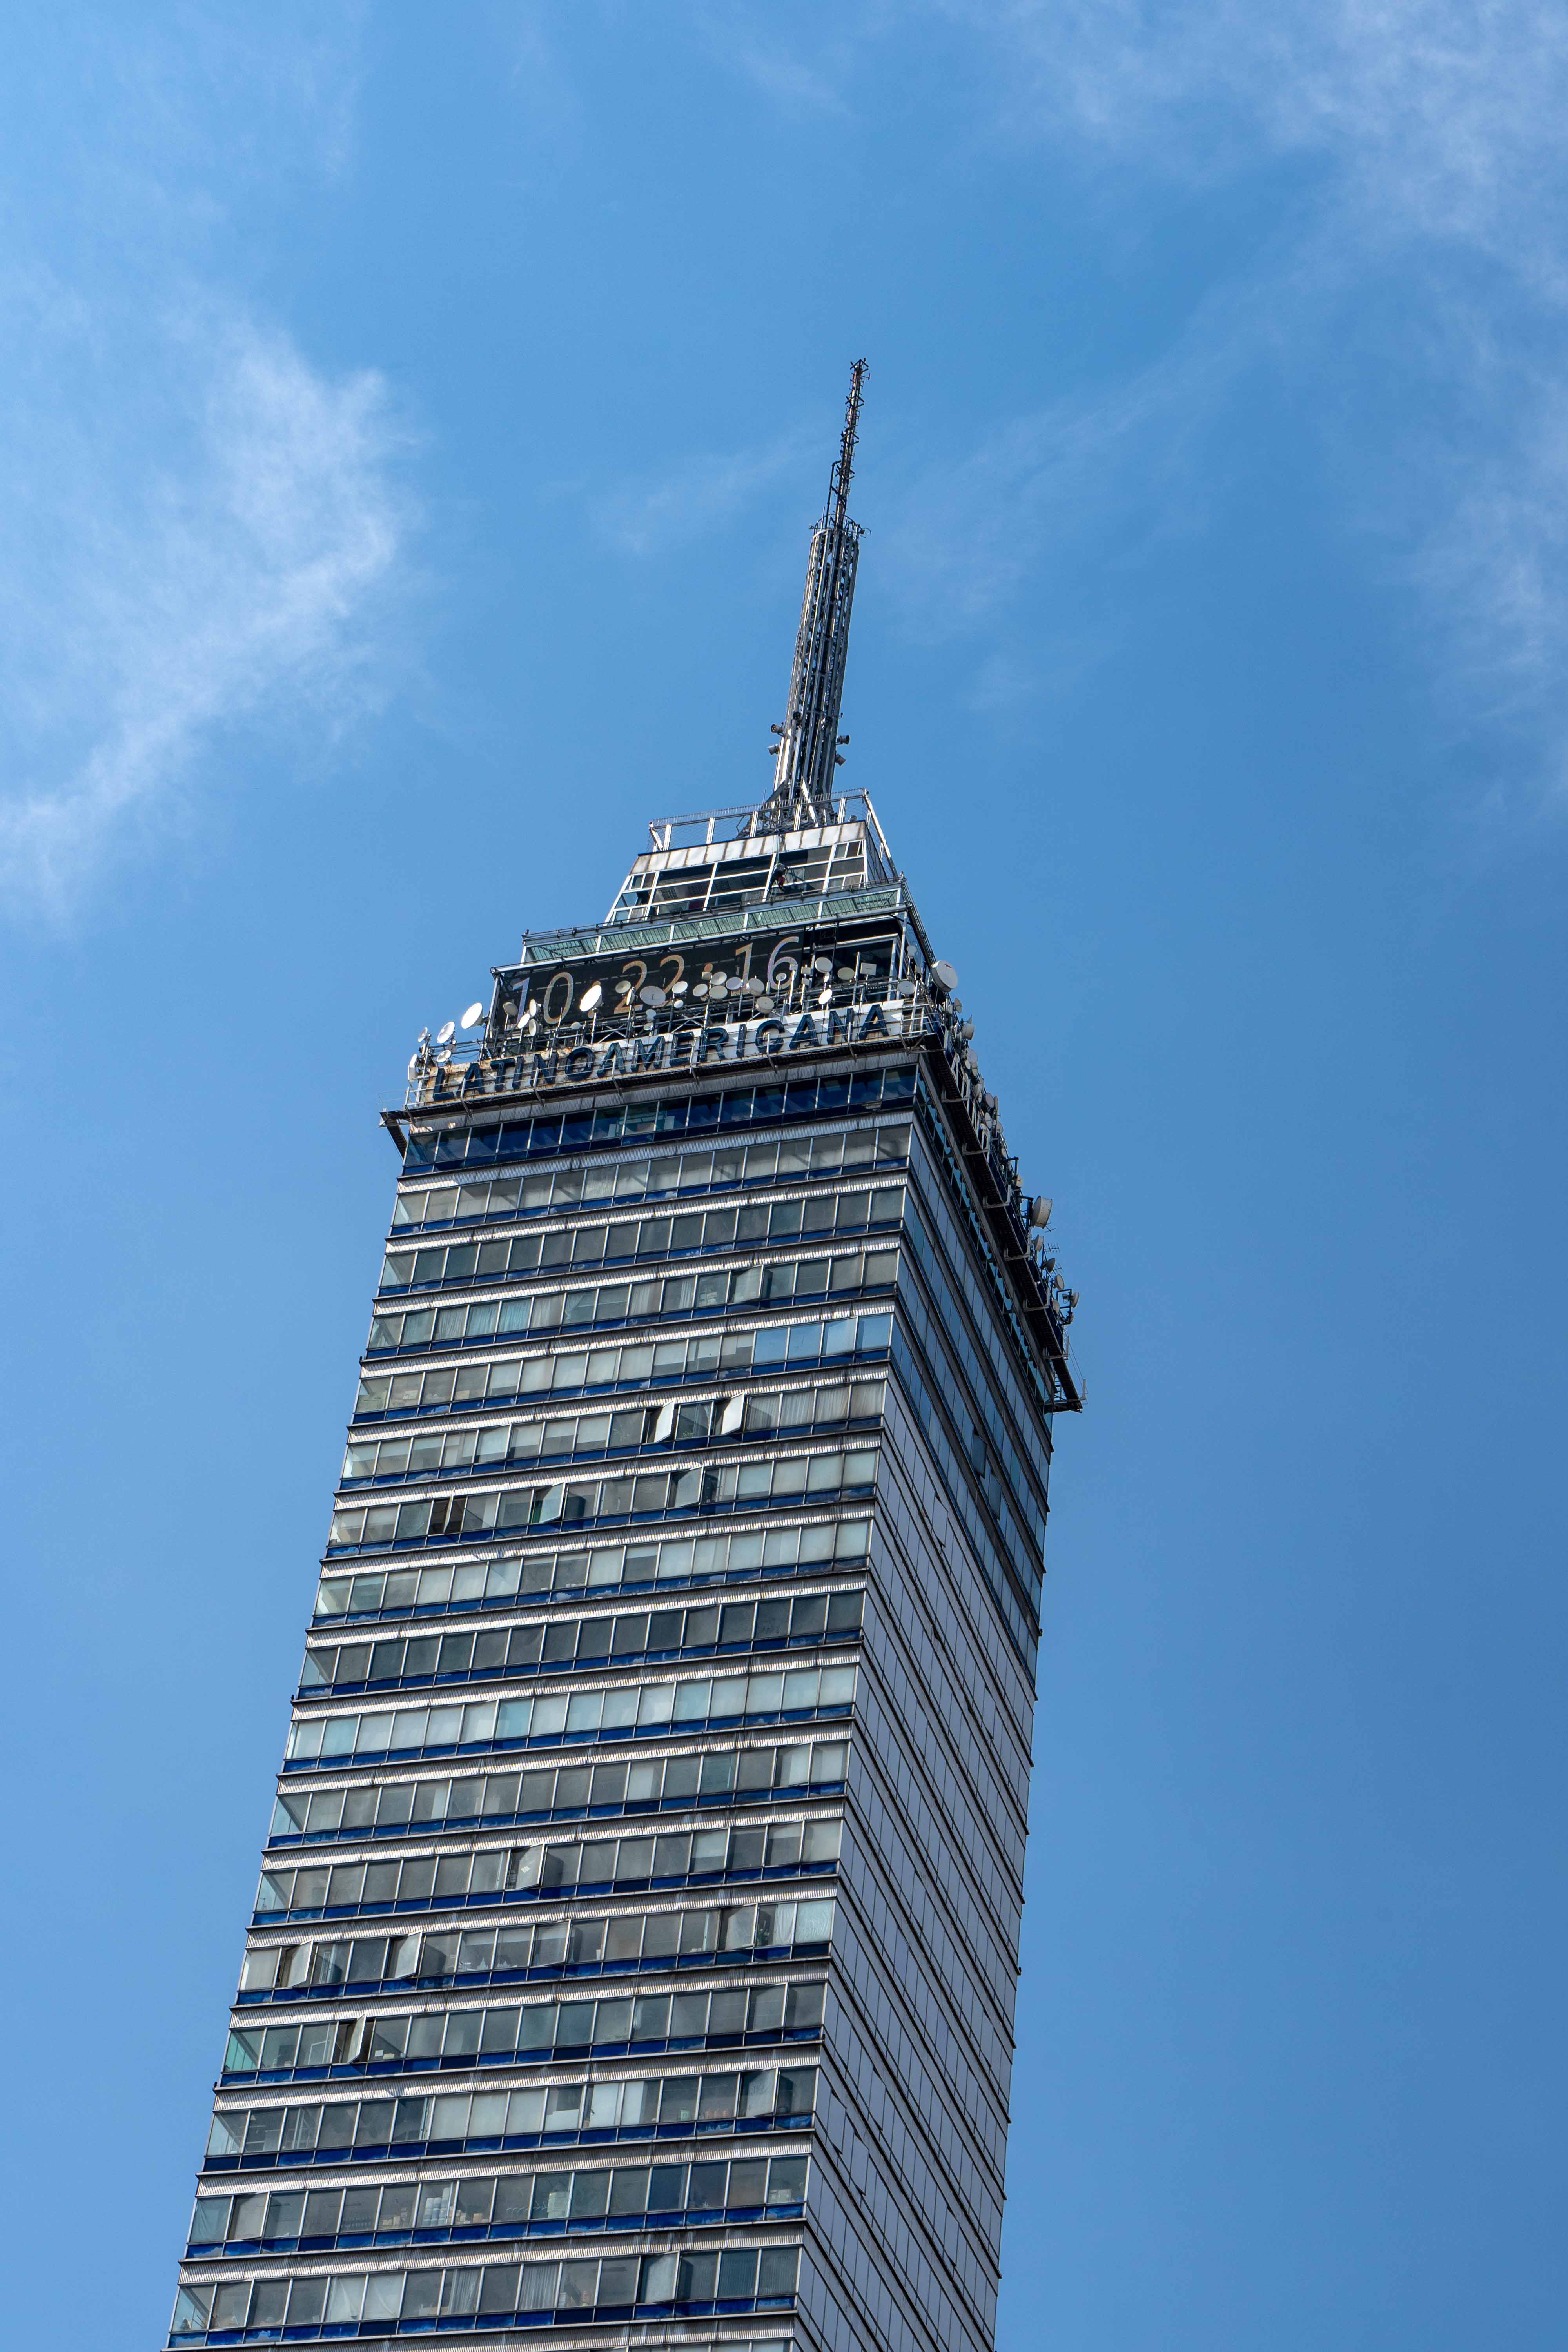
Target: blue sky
[412,423]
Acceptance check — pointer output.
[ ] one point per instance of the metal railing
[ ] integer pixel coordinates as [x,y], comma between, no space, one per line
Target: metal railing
[700,829]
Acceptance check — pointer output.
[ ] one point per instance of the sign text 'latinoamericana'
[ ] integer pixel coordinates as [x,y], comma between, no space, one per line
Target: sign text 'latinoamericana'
[684,1048]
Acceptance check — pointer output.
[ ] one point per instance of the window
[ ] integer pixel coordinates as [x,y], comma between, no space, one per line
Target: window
[421,2123]
[515,2203]
[694,1230]
[519,1953]
[672,1295]
[558,1504]
[680,1423]
[620,1712]
[571,1642]
[547,1135]
[674,1561]
[754,1774]
[743,2278]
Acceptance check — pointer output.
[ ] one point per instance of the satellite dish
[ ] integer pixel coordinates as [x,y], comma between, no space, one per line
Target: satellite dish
[590,999]
[413,1068]
[764,1004]
[846,971]
[1040,1209]
[718,985]
[447,1032]
[700,989]
[906,987]
[651,995]
[754,987]
[677,987]
[445,1056]
[822,963]
[475,1013]
[825,994]
[944,975]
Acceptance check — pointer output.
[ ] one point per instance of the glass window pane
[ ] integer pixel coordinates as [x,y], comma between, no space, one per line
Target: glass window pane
[345,2298]
[384,2297]
[738,2274]
[229,2303]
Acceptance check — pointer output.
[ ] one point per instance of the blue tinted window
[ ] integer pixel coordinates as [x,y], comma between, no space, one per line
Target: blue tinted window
[735,1106]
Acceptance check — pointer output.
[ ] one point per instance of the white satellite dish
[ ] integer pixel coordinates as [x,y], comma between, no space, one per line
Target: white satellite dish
[846,971]
[447,1032]
[944,975]
[475,1013]
[764,1004]
[822,963]
[1040,1210]
[590,999]
[652,995]
[677,987]
[445,1056]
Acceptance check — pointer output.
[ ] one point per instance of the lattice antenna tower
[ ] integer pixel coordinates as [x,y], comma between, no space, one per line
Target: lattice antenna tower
[808,755]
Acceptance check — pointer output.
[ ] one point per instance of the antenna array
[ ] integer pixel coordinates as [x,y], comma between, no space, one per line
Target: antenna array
[808,755]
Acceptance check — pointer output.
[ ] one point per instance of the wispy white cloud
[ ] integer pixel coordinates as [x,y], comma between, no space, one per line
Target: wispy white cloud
[1120,468]
[199,530]
[1496,558]
[1406,297]
[698,494]
[148,604]
[799,73]
[1439,118]
[1417,305]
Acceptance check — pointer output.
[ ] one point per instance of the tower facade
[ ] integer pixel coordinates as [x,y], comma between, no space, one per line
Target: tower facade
[634,1956]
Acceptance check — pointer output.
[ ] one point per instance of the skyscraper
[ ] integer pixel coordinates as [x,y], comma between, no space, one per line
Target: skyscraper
[635,1950]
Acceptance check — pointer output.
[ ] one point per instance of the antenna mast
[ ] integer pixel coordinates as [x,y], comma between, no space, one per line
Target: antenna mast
[808,754]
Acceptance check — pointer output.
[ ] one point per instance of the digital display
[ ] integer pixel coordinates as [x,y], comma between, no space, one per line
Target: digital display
[753,972]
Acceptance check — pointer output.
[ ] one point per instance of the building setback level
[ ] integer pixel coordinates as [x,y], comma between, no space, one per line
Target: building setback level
[633,1956]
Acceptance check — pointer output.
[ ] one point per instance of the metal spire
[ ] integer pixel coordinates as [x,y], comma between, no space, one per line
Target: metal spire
[808,754]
